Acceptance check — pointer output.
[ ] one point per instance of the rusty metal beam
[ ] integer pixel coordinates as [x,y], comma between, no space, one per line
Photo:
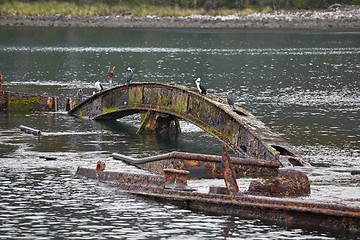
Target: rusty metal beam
[202,165]
[237,128]
[195,156]
[228,172]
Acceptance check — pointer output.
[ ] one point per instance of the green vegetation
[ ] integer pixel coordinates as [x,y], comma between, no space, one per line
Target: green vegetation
[23,104]
[108,110]
[161,8]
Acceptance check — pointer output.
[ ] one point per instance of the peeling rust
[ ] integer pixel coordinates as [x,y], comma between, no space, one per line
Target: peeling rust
[228,172]
[285,183]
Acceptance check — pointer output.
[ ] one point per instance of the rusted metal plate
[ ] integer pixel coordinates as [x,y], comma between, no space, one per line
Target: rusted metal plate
[237,128]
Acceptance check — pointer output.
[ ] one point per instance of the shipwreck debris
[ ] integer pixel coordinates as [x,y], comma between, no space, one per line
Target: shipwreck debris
[202,165]
[287,183]
[100,166]
[27,102]
[289,211]
[163,105]
[30,130]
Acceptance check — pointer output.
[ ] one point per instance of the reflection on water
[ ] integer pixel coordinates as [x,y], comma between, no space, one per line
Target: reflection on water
[302,84]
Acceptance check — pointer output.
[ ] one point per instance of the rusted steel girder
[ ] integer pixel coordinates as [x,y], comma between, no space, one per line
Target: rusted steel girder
[237,128]
[289,211]
[202,165]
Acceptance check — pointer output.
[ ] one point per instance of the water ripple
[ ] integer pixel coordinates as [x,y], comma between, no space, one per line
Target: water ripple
[253,51]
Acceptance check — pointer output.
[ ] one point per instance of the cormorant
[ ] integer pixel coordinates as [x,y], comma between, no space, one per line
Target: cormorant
[200,87]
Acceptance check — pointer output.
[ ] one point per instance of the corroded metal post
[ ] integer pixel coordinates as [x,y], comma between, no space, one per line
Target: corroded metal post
[175,178]
[228,172]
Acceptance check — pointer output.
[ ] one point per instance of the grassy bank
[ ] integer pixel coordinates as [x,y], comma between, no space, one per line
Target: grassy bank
[103,9]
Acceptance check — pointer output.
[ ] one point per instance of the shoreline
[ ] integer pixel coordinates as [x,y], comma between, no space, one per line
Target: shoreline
[339,18]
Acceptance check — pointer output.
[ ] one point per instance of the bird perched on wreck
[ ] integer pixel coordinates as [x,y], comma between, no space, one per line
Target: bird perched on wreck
[99,87]
[100,166]
[200,86]
[80,95]
[111,73]
[231,98]
[129,74]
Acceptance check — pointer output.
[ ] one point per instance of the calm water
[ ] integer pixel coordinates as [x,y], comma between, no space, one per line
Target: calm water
[303,84]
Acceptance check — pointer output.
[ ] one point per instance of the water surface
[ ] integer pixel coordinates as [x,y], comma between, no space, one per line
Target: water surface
[303,84]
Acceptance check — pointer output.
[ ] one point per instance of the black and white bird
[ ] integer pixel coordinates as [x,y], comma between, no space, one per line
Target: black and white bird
[99,87]
[129,75]
[80,95]
[200,86]
[231,99]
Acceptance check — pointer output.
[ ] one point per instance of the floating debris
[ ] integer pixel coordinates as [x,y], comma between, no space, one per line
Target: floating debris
[30,130]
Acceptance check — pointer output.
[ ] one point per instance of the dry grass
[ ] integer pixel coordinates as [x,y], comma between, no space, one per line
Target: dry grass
[100,9]
[54,8]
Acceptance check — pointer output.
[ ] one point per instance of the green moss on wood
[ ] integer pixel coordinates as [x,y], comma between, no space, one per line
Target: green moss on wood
[180,103]
[135,96]
[108,110]
[271,150]
[26,104]
[80,113]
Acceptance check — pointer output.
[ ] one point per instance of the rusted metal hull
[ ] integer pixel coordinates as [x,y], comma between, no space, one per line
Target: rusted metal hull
[288,211]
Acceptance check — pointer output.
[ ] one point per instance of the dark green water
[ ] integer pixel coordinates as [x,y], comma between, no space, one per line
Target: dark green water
[303,84]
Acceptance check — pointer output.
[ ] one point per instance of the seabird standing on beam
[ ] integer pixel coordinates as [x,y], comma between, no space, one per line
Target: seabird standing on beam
[111,74]
[231,98]
[80,95]
[99,87]
[129,74]
[200,87]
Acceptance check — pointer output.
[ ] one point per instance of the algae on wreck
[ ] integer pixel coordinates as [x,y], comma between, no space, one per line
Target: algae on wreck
[23,104]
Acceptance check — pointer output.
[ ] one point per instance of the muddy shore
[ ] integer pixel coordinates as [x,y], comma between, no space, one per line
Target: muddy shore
[339,18]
